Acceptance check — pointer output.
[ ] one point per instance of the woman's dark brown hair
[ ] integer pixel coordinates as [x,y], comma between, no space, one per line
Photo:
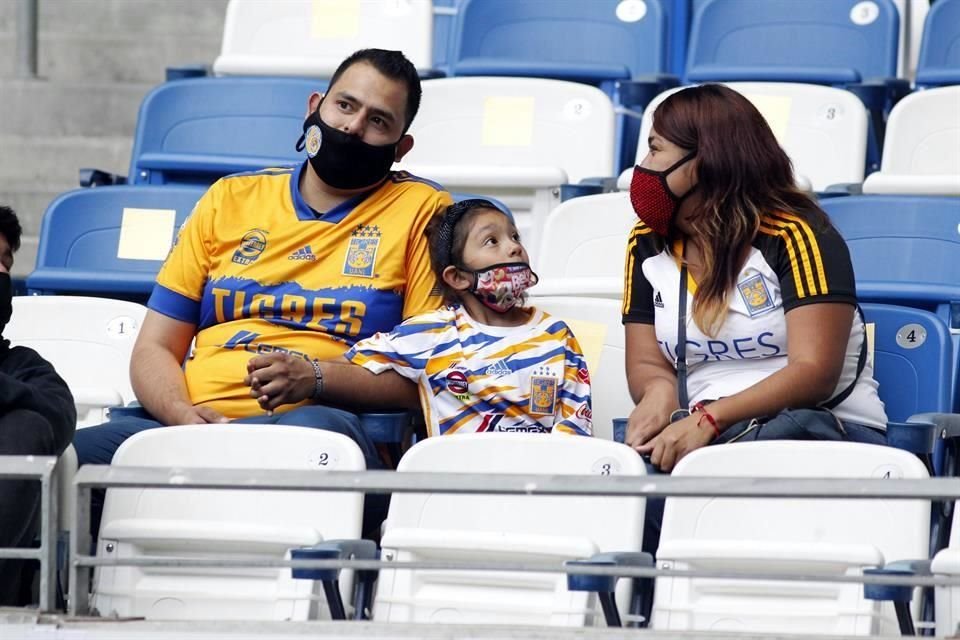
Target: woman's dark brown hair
[743,176]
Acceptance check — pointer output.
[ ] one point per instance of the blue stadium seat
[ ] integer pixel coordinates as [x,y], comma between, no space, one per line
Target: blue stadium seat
[939,62]
[621,46]
[197,130]
[817,41]
[905,251]
[109,241]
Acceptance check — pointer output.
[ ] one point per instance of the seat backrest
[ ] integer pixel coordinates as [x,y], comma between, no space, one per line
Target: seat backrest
[939,62]
[596,322]
[109,241]
[913,360]
[583,236]
[822,129]
[898,528]
[210,522]
[197,130]
[91,351]
[597,40]
[923,134]
[820,41]
[517,527]
[905,249]
[311,37]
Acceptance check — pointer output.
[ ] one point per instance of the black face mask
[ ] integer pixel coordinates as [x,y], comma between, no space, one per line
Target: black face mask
[341,160]
[6,300]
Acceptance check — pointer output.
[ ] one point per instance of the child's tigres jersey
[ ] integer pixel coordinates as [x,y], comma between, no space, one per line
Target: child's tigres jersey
[257,270]
[790,264]
[476,378]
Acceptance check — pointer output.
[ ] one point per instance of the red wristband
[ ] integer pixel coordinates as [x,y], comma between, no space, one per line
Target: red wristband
[702,410]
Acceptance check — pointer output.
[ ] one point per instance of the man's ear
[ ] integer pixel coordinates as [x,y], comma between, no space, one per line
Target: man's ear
[313,103]
[403,147]
[456,279]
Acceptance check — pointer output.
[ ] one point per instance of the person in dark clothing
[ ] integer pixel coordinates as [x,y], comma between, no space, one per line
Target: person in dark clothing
[37,417]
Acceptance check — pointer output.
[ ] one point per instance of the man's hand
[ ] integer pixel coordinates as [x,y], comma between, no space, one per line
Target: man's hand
[198,414]
[677,440]
[279,378]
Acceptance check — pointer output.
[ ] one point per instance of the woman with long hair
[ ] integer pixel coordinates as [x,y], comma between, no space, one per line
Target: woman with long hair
[739,303]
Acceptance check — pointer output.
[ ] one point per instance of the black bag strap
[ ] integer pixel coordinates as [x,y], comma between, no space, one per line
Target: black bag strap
[861,363]
[681,362]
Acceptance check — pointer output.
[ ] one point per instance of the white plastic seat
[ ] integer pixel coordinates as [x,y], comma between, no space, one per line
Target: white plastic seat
[921,150]
[827,537]
[87,340]
[822,129]
[309,38]
[516,139]
[608,379]
[947,598]
[583,248]
[505,528]
[210,523]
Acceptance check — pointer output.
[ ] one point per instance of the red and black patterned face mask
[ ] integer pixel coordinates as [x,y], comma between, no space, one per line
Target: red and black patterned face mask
[651,197]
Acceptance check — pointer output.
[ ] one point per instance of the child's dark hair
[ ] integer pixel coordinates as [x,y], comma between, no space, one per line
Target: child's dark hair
[447,235]
[10,227]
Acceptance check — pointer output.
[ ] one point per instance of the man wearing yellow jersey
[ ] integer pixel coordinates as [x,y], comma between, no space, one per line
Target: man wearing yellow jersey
[303,261]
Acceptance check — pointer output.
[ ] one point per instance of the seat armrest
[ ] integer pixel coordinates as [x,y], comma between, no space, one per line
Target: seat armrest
[589,582]
[339,550]
[90,177]
[186,71]
[900,595]
[879,94]
[385,426]
[947,424]
[916,436]
[637,93]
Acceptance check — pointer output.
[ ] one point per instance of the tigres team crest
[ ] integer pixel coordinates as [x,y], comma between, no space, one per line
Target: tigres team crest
[361,257]
[543,395]
[755,295]
[312,140]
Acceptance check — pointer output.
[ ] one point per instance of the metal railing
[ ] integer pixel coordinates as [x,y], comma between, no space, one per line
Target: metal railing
[38,468]
[96,476]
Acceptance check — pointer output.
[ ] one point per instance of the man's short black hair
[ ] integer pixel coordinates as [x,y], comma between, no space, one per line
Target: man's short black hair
[394,65]
[10,227]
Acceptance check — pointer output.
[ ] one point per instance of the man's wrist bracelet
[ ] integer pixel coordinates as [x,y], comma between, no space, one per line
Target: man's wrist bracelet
[317,380]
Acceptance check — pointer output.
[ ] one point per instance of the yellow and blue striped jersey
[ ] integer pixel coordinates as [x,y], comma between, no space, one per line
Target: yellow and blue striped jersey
[477,378]
[257,270]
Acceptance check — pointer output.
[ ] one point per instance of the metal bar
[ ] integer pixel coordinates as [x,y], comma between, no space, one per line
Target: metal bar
[20,554]
[26,467]
[543,567]
[528,484]
[79,596]
[48,541]
[27,38]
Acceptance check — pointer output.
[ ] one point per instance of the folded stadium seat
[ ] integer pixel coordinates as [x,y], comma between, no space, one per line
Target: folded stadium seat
[109,241]
[905,251]
[939,62]
[583,247]
[921,153]
[843,43]
[822,129]
[515,139]
[596,322]
[621,46]
[812,537]
[255,524]
[309,38]
[505,528]
[197,130]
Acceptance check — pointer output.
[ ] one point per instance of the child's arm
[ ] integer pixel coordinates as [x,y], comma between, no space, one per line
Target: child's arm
[575,409]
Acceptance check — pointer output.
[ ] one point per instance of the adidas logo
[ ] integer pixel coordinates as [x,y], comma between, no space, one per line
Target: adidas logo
[304,253]
[498,368]
[658,301]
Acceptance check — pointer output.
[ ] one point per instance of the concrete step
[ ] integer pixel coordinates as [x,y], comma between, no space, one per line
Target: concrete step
[69,108]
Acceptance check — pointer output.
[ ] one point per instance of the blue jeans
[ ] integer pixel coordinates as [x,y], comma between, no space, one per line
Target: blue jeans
[96,445]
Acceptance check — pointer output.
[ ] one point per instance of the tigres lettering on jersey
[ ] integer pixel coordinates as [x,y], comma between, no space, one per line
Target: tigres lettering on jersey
[790,264]
[475,378]
[257,271]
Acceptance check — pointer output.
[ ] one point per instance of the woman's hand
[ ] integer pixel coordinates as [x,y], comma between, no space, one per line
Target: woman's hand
[279,378]
[651,415]
[677,440]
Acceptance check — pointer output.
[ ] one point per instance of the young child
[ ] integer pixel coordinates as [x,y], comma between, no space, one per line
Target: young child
[484,362]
